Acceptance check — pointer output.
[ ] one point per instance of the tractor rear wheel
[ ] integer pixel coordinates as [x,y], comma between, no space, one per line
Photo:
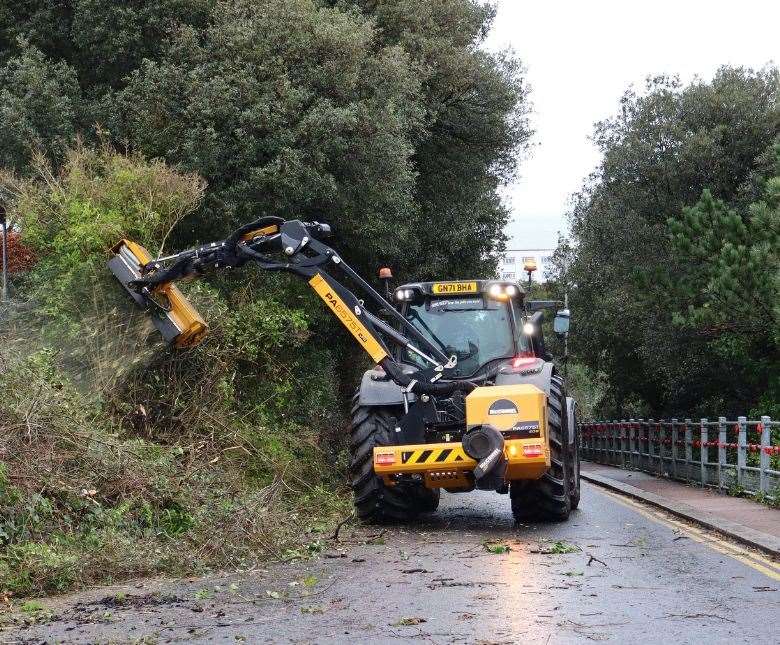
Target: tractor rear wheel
[548,498]
[375,502]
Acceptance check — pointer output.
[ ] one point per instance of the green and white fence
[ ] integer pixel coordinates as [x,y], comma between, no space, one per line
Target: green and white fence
[741,455]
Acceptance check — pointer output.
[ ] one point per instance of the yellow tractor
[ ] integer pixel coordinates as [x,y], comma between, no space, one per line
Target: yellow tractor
[463,394]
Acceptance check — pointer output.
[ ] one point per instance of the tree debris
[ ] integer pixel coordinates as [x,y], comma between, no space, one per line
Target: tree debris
[592,558]
[335,536]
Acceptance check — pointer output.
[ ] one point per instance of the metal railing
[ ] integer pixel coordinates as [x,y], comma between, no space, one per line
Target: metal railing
[739,456]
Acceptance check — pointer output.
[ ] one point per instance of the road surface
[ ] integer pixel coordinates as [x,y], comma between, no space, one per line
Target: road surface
[617,572]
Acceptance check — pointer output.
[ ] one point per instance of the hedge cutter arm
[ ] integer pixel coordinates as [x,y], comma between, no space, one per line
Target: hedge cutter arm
[293,246]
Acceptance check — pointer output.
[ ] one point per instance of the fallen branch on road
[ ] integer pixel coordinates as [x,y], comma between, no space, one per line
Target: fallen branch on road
[728,620]
[335,536]
[593,558]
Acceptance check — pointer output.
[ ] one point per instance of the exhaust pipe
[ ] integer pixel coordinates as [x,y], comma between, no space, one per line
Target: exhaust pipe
[172,314]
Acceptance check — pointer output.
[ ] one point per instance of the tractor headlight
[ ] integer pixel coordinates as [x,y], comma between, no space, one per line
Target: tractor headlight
[404,294]
[495,291]
[529,329]
[501,291]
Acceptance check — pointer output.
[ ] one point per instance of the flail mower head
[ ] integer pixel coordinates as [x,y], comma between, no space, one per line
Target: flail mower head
[173,315]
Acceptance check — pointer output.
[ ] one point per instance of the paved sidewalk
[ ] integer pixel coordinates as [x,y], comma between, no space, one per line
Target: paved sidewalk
[745,520]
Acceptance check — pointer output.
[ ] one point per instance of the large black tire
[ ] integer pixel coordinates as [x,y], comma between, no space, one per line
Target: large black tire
[426,499]
[375,502]
[549,497]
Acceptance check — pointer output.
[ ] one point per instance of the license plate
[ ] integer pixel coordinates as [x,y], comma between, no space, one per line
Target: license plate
[449,288]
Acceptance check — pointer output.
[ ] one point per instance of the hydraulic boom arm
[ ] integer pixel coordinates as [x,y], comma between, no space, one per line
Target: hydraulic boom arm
[276,244]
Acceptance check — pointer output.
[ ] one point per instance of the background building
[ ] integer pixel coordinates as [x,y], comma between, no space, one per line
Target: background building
[510,266]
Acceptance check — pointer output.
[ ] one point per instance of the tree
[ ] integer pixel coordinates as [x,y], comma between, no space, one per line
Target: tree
[475,112]
[43,23]
[103,41]
[292,107]
[111,39]
[385,117]
[731,283]
[285,108]
[40,107]
[664,148]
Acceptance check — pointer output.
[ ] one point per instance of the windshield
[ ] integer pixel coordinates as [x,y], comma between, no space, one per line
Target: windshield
[474,330]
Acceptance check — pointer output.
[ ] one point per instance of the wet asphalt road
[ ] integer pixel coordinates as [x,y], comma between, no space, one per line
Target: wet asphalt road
[617,572]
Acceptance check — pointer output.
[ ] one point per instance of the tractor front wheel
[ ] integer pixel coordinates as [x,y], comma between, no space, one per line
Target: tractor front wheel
[549,498]
[375,502]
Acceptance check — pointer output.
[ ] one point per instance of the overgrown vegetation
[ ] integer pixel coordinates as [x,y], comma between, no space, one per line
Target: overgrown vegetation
[121,458]
[387,120]
[674,266]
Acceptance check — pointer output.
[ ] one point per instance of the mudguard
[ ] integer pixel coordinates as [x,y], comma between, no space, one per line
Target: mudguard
[571,410]
[377,390]
[542,380]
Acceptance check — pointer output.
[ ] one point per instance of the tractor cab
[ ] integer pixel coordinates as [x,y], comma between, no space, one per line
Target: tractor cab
[480,322]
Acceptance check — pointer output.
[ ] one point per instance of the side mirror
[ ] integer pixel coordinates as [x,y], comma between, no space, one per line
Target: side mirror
[561,322]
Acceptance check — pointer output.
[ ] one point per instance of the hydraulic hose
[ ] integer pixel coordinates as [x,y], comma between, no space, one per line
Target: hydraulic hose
[403,379]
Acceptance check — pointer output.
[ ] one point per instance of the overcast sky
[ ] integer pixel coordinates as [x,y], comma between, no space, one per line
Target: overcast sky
[582,55]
